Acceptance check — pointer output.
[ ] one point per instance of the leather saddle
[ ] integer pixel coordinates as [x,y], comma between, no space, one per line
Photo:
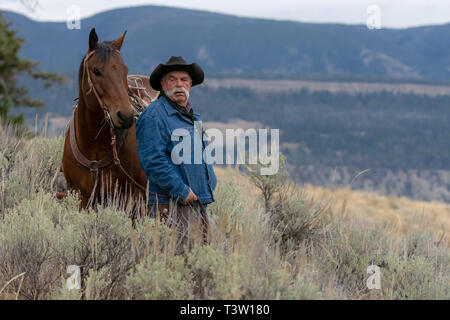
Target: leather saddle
[140,92]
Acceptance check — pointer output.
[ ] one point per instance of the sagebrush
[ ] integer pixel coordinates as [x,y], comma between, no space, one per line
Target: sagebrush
[282,245]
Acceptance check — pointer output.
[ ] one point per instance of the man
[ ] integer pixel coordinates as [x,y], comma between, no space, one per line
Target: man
[176,187]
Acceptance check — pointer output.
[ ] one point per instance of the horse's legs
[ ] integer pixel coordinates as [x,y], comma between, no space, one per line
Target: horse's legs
[83,203]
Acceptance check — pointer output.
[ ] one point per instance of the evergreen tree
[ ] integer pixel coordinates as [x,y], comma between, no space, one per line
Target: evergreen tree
[11,68]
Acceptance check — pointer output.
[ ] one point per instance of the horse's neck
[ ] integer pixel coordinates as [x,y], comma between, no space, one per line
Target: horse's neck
[88,121]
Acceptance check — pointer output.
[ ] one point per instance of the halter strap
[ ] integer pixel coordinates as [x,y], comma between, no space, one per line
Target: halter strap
[92,88]
[92,165]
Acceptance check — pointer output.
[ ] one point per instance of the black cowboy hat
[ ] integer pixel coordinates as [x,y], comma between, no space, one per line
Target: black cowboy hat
[176,63]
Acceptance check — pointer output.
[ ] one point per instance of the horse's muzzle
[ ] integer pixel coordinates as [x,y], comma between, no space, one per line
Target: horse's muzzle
[124,120]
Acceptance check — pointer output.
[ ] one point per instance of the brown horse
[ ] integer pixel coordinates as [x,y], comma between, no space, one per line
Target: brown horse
[100,149]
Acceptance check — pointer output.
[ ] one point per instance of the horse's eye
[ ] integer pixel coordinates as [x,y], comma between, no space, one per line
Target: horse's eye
[96,71]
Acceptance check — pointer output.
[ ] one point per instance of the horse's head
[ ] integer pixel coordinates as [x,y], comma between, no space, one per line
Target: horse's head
[104,77]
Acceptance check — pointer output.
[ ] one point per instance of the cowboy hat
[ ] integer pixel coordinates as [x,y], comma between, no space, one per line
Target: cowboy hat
[176,63]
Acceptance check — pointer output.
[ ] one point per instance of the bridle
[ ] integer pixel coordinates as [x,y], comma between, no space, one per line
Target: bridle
[92,88]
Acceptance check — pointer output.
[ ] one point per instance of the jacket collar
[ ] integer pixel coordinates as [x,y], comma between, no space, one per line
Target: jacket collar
[171,110]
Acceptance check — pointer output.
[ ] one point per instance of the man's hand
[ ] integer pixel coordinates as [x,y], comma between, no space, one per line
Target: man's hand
[190,198]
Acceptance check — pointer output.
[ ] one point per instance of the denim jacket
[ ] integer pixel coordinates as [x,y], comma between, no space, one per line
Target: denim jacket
[159,129]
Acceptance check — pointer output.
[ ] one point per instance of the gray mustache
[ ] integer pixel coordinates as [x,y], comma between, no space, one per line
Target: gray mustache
[177,89]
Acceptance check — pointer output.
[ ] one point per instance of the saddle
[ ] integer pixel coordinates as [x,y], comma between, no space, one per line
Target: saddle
[140,92]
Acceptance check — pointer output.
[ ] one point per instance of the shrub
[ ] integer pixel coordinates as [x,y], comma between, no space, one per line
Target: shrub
[98,284]
[26,235]
[347,251]
[159,279]
[295,220]
[30,168]
[215,275]
[420,270]
[99,240]
[268,184]
[227,214]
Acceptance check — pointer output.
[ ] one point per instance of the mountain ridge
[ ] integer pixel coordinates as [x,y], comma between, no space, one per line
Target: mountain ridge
[230,45]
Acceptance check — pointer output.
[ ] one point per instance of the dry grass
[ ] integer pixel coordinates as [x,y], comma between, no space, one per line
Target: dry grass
[309,243]
[400,214]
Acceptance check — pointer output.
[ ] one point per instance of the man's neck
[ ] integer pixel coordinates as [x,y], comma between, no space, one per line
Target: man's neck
[184,104]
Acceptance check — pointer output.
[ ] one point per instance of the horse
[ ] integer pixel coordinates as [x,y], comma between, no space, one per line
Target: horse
[100,147]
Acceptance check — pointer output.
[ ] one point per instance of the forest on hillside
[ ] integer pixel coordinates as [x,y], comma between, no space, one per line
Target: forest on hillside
[379,130]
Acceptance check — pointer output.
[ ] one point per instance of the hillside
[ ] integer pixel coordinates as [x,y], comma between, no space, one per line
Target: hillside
[307,245]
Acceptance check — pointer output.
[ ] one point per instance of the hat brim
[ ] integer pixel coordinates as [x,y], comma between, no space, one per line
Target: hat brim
[192,69]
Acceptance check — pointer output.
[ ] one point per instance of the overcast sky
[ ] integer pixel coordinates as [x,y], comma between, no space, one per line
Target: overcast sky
[393,13]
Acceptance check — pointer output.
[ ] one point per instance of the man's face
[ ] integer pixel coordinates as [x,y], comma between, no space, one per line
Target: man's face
[172,82]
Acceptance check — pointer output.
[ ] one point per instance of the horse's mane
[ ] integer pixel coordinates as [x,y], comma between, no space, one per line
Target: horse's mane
[104,50]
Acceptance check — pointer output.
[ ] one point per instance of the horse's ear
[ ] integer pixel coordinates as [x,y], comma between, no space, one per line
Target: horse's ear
[93,40]
[118,42]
